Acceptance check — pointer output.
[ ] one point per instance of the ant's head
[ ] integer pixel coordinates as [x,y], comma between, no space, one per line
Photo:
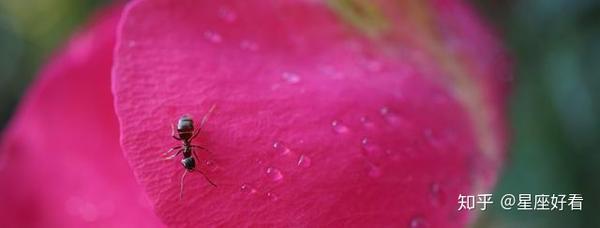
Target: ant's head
[185,124]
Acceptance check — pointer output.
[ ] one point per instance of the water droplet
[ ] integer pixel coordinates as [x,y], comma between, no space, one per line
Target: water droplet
[417,222]
[227,14]
[210,165]
[371,149]
[248,45]
[274,173]
[367,123]
[290,78]
[436,194]
[247,189]
[304,161]
[392,154]
[213,36]
[374,171]
[271,196]
[281,149]
[339,127]
[390,116]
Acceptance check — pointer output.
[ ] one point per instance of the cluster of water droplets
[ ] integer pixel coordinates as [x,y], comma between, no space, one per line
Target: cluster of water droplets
[370,148]
[229,16]
[273,173]
[390,116]
[213,36]
[303,160]
[290,78]
[339,128]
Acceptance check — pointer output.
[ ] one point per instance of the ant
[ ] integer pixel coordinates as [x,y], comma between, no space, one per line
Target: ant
[185,134]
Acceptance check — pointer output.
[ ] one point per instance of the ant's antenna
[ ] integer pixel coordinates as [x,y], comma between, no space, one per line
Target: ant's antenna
[205,118]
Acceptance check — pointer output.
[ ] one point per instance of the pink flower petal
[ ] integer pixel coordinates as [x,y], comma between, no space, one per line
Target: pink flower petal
[317,123]
[60,161]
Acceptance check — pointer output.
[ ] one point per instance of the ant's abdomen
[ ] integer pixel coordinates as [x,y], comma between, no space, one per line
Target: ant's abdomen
[188,163]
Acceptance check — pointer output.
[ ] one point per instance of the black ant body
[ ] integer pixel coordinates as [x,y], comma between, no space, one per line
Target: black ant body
[185,134]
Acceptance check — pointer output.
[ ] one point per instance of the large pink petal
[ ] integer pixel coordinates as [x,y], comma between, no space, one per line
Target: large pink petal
[60,160]
[317,123]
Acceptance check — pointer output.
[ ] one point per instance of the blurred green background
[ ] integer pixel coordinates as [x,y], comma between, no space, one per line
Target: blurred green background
[554,108]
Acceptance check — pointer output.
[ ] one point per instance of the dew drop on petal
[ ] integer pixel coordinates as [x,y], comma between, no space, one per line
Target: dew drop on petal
[390,116]
[227,15]
[210,165]
[394,156]
[339,128]
[417,222]
[366,122]
[375,171]
[304,161]
[371,149]
[281,149]
[213,36]
[290,78]
[436,194]
[247,189]
[248,45]
[274,174]
[271,196]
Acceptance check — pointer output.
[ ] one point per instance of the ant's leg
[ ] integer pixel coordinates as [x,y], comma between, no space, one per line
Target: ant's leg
[205,177]
[209,181]
[195,133]
[195,155]
[199,147]
[169,151]
[173,132]
[174,155]
[181,188]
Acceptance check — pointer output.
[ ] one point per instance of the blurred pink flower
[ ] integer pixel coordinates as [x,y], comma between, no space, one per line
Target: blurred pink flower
[60,160]
[350,113]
